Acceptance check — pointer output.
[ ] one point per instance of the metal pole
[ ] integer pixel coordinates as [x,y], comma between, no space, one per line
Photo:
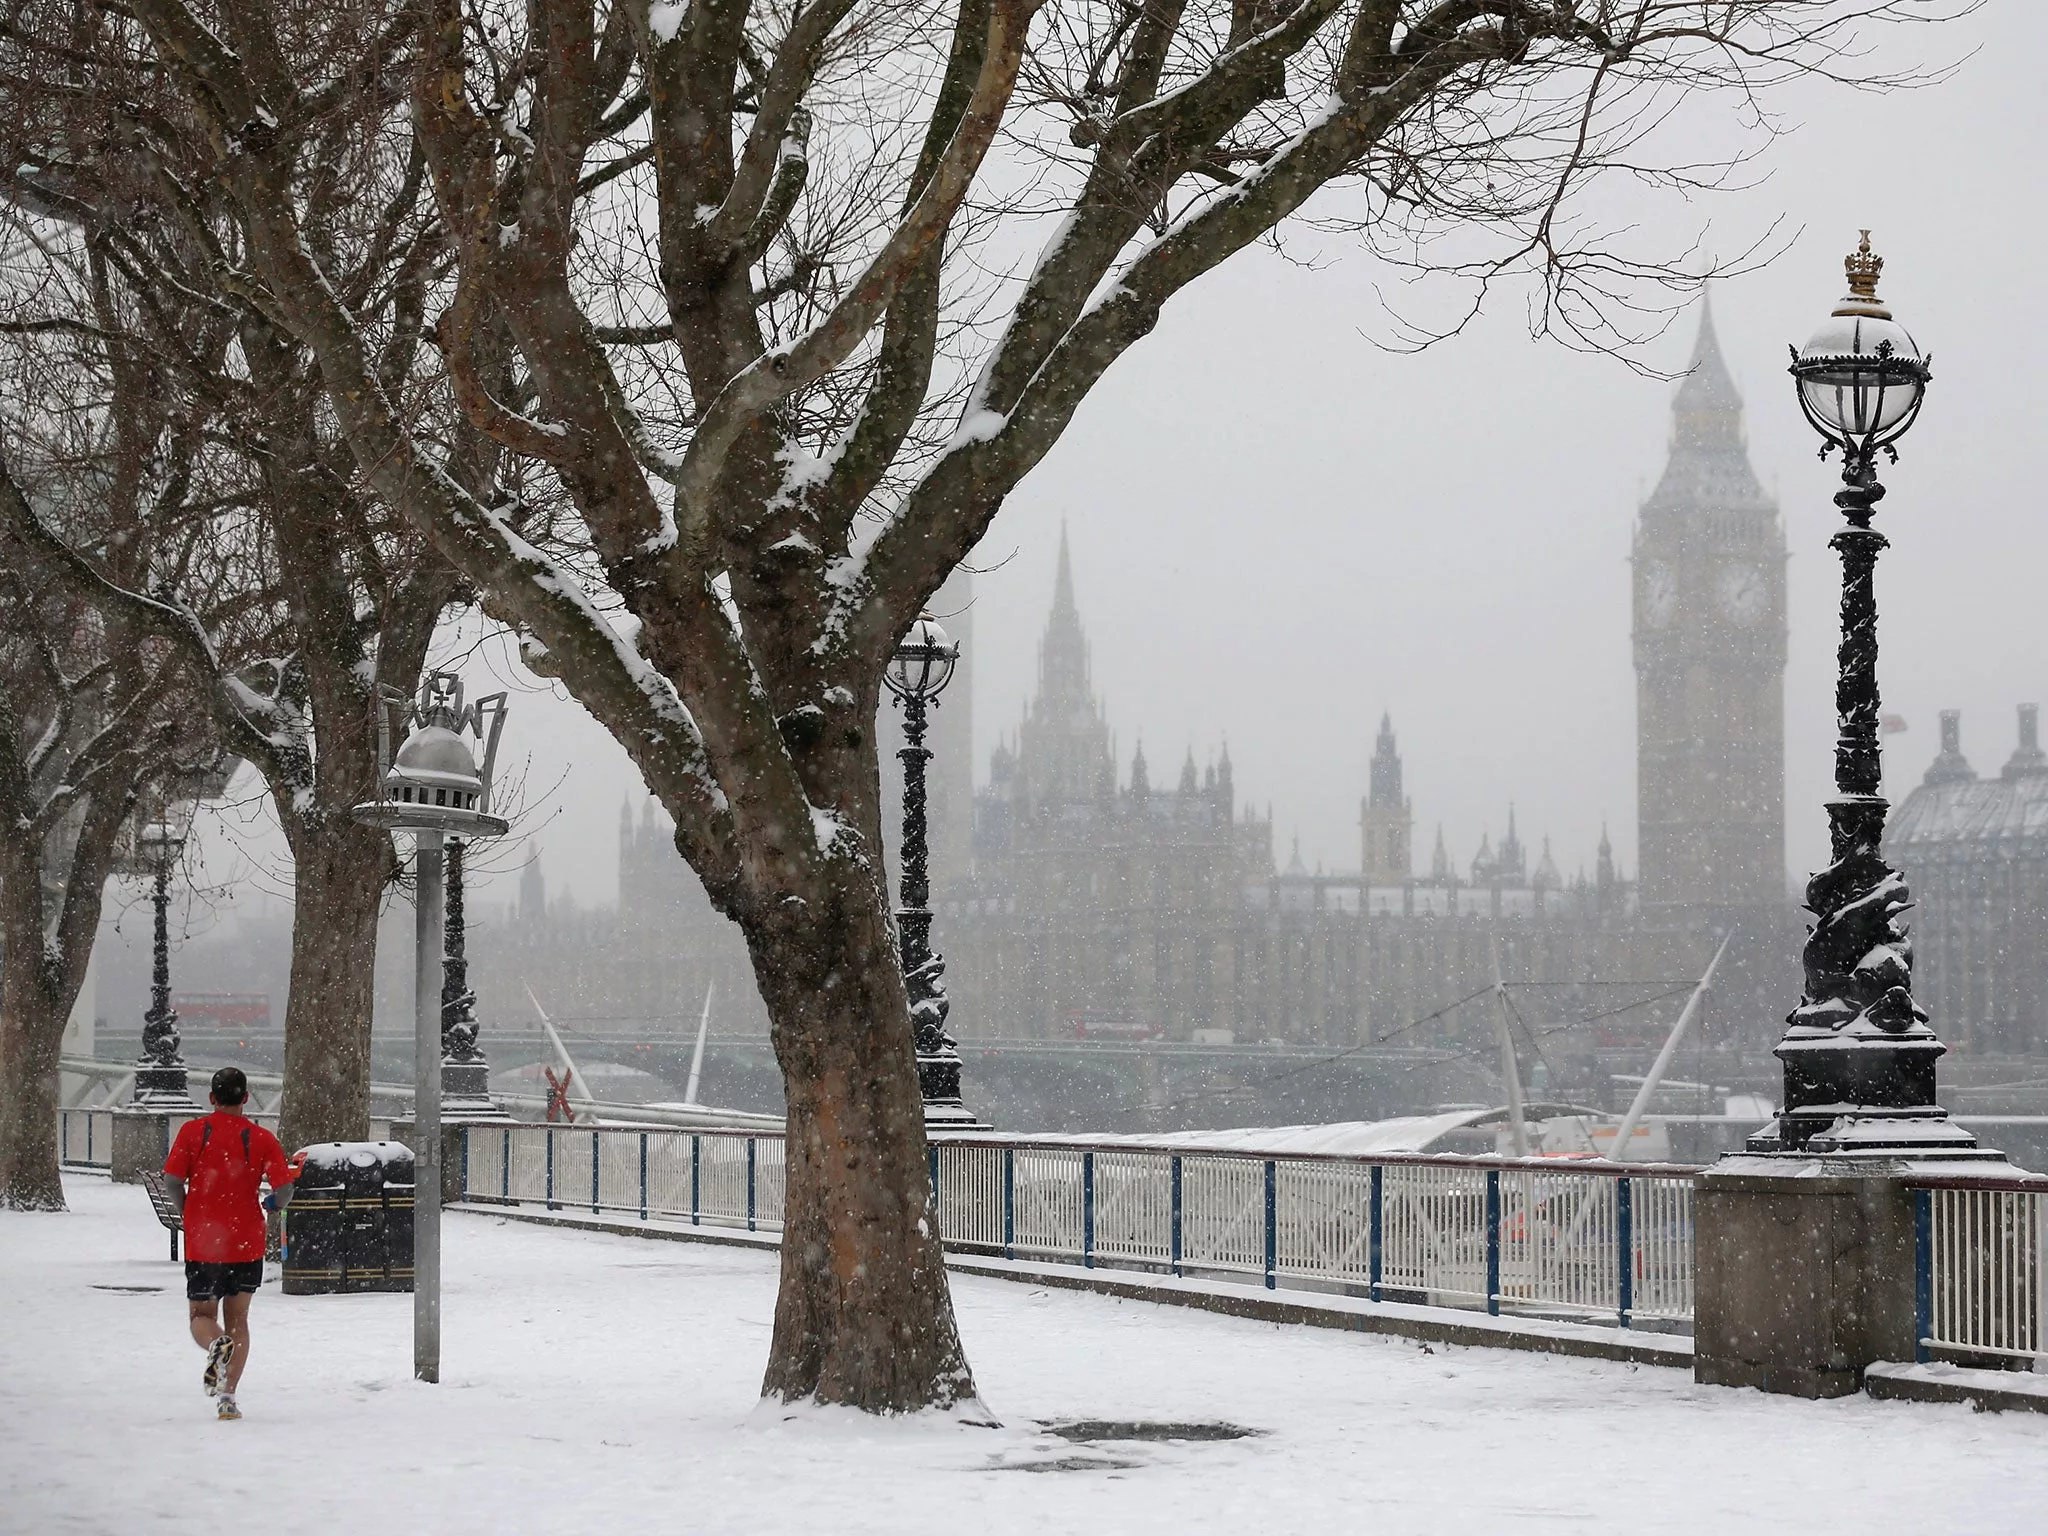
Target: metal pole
[1511,1072]
[426,1109]
[1662,1064]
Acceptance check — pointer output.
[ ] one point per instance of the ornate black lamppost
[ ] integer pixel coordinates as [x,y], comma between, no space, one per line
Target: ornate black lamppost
[917,674]
[1858,1053]
[160,1077]
[465,1073]
[432,788]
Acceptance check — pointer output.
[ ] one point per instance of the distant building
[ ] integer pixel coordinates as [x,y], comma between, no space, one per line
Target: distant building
[1975,852]
[1709,580]
[1077,895]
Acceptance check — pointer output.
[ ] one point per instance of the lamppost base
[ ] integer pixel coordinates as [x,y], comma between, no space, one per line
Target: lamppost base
[163,1088]
[466,1094]
[938,1083]
[1876,1135]
[1860,1096]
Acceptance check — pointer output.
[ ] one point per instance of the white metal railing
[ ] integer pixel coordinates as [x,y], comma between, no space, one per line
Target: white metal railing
[85,1138]
[1980,1270]
[1583,1239]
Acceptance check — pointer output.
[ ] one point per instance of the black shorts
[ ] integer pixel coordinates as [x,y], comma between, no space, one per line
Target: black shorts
[215,1282]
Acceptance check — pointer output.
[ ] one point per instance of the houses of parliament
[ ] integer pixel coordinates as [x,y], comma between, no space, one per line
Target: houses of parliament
[1081,896]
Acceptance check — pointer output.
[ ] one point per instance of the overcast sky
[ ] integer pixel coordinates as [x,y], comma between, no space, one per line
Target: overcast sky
[1280,529]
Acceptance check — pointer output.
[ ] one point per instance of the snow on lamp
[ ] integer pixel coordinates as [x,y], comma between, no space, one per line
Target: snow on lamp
[1858,1055]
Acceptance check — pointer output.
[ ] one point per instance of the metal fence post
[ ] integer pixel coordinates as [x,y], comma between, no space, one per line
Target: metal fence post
[1009,1202]
[1923,1272]
[1493,1241]
[1272,1224]
[465,1162]
[1173,1234]
[551,1167]
[596,1169]
[1087,1210]
[696,1178]
[505,1173]
[1625,1249]
[750,1183]
[1376,1233]
[932,1157]
[643,1175]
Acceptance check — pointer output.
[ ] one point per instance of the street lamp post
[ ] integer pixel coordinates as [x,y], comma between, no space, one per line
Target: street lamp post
[160,1076]
[1858,1054]
[432,788]
[916,675]
[465,1071]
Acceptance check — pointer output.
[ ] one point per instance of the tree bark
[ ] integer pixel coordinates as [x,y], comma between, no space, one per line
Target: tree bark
[864,1317]
[31,1046]
[337,886]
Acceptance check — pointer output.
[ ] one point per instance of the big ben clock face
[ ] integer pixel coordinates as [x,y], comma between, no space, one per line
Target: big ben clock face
[1743,592]
[1660,594]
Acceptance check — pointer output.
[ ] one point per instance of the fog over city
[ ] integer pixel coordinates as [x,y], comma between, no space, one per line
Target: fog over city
[1282,527]
[1453,891]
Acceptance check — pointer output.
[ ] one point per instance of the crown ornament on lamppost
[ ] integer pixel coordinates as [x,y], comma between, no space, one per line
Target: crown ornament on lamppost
[916,675]
[433,783]
[1858,1054]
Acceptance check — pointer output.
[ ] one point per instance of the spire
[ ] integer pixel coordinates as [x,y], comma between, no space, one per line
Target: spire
[1063,653]
[1709,463]
[1141,781]
[1294,864]
[1063,581]
[1440,861]
[1546,877]
[1708,388]
[1384,777]
[1511,864]
[1187,774]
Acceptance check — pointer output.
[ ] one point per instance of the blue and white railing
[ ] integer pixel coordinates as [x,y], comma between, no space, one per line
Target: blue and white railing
[1588,1240]
[1980,1270]
[85,1138]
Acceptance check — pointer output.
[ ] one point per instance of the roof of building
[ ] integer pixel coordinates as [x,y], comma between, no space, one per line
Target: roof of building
[1953,807]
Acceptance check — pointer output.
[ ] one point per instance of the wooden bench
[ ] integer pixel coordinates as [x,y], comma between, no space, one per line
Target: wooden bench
[166,1206]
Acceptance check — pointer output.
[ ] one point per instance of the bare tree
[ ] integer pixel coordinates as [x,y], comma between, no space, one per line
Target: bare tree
[302,589]
[89,715]
[707,283]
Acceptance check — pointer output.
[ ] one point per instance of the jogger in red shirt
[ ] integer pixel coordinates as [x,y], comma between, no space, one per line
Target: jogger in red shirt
[217,1165]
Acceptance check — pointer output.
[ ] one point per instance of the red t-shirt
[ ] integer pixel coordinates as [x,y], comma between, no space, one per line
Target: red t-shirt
[223,1159]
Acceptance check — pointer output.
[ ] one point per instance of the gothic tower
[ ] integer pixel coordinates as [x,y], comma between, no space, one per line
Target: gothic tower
[1063,751]
[1385,825]
[1710,660]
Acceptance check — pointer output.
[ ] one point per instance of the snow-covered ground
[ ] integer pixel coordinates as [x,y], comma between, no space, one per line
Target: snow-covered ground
[598,1383]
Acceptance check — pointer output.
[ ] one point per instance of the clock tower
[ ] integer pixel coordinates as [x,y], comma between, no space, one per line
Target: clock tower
[1709,573]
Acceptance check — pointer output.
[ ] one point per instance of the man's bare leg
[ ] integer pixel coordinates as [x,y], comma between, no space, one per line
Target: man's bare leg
[237,1308]
[205,1325]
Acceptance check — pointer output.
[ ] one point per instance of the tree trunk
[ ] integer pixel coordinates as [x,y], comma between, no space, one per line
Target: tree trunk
[338,883]
[31,1046]
[864,1317]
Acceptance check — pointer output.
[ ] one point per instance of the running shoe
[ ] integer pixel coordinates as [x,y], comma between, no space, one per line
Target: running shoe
[227,1408]
[218,1356]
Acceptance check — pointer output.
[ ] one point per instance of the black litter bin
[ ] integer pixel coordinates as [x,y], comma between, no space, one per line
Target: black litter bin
[349,1224]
